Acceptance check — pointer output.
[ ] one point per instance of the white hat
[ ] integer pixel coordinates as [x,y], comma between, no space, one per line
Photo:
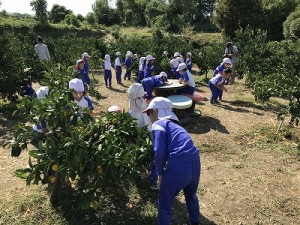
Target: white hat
[130,54]
[179,59]
[107,57]
[42,92]
[118,53]
[136,91]
[85,54]
[189,53]
[76,84]
[163,74]
[176,54]
[127,55]
[164,107]
[114,108]
[149,57]
[181,66]
[227,60]
[79,61]
[142,59]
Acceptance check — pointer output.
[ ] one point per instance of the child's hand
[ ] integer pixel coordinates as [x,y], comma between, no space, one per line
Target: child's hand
[180,80]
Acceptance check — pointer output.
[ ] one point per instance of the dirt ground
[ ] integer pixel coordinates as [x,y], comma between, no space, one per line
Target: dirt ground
[244,180]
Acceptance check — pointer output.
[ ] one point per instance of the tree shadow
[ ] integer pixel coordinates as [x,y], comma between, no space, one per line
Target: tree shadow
[238,109]
[204,124]
[181,212]
[266,107]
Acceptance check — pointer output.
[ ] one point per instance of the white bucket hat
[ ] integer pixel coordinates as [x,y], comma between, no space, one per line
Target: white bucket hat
[164,108]
[76,84]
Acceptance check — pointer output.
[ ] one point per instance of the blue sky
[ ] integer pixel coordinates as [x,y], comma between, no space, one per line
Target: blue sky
[23,6]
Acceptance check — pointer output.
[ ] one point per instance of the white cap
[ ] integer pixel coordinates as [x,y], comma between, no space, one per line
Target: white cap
[42,92]
[142,59]
[130,54]
[176,54]
[181,66]
[76,84]
[227,60]
[114,108]
[127,55]
[189,53]
[136,91]
[118,53]
[164,107]
[85,54]
[163,74]
[79,61]
[107,57]
[149,57]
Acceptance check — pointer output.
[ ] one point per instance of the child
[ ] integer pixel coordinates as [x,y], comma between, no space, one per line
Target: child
[156,81]
[118,65]
[177,161]
[80,72]
[188,61]
[216,85]
[142,62]
[226,63]
[149,67]
[41,93]
[27,89]
[174,65]
[78,94]
[187,78]
[137,105]
[128,63]
[107,65]
[85,57]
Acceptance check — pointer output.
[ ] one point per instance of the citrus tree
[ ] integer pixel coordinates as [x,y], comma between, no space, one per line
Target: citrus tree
[79,151]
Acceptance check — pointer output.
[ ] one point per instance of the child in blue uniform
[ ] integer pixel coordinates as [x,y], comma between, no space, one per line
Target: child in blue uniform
[78,94]
[226,63]
[177,161]
[128,63]
[85,57]
[118,66]
[187,78]
[216,85]
[149,67]
[188,61]
[107,65]
[156,81]
[142,62]
[80,72]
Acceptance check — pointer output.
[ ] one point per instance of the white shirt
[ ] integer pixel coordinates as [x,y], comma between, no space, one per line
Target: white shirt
[107,65]
[42,51]
[117,62]
[191,81]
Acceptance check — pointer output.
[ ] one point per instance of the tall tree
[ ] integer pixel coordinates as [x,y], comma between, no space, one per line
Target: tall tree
[40,8]
[103,13]
[231,15]
[58,13]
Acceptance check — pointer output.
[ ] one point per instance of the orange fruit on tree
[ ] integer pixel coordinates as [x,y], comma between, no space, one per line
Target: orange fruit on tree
[100,169]
[52,179]
[54,167]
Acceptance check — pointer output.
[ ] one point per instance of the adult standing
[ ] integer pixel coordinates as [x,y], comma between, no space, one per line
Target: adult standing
[232,52]
[41,49]
[177,161]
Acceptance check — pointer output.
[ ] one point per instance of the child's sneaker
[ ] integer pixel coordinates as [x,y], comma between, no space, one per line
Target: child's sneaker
[189,220]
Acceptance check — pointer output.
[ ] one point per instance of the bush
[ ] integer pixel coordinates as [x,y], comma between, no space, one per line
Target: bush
[291,27]
[79,151]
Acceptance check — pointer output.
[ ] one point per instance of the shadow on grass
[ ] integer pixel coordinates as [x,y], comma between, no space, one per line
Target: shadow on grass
[204,124]
[266,107]
[136,206]
[238,109]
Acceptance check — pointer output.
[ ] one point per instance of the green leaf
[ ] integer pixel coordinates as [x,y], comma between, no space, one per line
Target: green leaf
[36,154]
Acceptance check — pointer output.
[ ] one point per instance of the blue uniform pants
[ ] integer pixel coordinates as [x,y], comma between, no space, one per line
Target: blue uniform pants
[187,90]
[214,92]
[118,74]
[189,67]
[179,176]
[220,94]
[148,85]
[107,77]
[128,73]
[140,76]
